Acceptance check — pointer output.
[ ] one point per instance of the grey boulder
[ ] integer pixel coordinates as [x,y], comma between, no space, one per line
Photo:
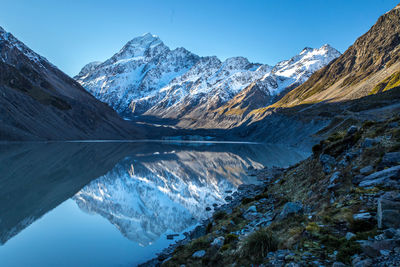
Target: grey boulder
[388,178]
[291,208]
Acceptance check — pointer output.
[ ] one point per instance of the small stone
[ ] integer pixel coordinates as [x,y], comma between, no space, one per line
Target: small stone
[338,264]
[327,162]
[369,142]
[291,208]
[373,248]
[292,264]
[387,177]
[366,170]
[385,252]
[252,209]
[352,129]
[199,254]
[390,233]
[228,198]
[357,179]
[343,163]
[218,242]
[334,178]
[390,159]
[363,263]
[380,237]
[388,213]
[355,259]
[208,208]
[365,216]
[289,257]
[394,124]
[281,254]
[349,235]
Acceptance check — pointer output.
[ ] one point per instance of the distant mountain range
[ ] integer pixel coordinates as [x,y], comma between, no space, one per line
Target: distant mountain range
[147,78]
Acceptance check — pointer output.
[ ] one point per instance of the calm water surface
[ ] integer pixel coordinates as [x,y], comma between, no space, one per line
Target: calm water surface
[112,204]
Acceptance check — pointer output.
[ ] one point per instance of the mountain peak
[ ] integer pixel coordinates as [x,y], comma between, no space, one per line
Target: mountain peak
[147,36]
[306,49]
[144,40]
[147,45]
[327,47]
[236,63]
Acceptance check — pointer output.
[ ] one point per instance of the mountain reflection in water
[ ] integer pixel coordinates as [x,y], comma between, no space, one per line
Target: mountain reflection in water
[144,189]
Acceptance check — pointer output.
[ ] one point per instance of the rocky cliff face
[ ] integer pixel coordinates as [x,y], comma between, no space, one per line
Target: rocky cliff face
[372,58]
[147,78]
[38,101]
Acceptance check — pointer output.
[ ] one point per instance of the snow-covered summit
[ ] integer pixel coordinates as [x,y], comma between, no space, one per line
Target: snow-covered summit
[147,45]
[147,77]
[300,67]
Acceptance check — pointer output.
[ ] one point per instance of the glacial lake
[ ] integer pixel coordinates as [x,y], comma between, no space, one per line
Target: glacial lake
[113,203]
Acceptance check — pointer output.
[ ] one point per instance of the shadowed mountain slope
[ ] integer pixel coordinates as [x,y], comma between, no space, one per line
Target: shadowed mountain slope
[38,101]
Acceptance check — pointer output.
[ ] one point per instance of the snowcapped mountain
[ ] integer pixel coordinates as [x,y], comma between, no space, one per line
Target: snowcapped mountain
[148,78]
[146,199]
[132,78]
[164,188]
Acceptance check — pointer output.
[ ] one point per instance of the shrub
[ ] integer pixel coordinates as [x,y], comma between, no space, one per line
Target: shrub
[313,227]
[225,247]
[219,215]
[258,244]
[367,124]
[347,250]
[229,238]
[316,149]
[209,228]
[247,200]
[336,136]
[198,244]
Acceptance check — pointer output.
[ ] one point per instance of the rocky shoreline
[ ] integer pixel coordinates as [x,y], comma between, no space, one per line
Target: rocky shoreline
[233,201]
[340,207]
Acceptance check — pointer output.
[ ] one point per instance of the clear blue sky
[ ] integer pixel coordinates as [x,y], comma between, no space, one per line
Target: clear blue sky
[72,33]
